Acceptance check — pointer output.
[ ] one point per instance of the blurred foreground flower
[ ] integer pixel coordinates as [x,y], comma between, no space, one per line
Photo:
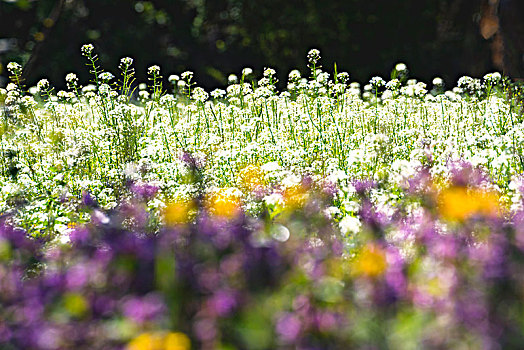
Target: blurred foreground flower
[224,203]
[295,196]
[458,203]
[370,261]
[179,212]
[160,341]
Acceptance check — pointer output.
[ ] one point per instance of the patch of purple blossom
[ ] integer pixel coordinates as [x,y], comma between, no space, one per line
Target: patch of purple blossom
[411,279]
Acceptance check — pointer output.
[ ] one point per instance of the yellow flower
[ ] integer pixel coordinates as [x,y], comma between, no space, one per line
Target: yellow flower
[295,196]
[146,341]
[178,212]
[224,203]
[251,178]
[370,262]
[76,304]
[160,341]
[458,204]
[72,225]
[177,341]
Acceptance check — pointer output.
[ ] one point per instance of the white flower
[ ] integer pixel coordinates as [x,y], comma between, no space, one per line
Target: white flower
[291,180]
[274,199]
[11,87]
[232,79]
[187,75]
[106,76]
[377,82]
[323,77]
[173,78]
[199,94]
[343,77]
[393,85]
[438,82]
[126,62]
[71,78]
[492,78]
[104,89]
[247,71]
[401,68]
[349,225]
[269,72]
[218,93]
[14,68]
[270,167]
[313,56]
[331,212]
[89,88]
[143,94]
[153,70]
[294,75]
[87,49]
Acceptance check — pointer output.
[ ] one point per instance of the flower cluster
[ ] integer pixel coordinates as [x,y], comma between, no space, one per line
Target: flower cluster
[434,276]
[100,137]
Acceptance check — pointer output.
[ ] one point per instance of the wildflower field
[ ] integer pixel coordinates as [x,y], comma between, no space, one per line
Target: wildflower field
[323,216]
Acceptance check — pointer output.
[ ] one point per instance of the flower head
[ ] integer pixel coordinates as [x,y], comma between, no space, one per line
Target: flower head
[188,75]
[14,68]
[87,49]
[313,56]
[126,62]
[153,70]
[43,85]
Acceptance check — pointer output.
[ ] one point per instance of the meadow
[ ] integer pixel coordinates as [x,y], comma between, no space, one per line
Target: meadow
[328,215]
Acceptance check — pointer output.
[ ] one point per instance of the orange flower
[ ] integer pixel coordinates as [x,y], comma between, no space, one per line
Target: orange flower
[458,204]
[224,203]
[160,341]
[370,261]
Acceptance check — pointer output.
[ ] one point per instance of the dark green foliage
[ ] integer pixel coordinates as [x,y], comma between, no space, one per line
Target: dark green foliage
[215,38]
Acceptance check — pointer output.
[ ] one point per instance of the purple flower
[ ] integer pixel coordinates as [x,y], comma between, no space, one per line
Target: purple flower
[142,309]
[362,187]
[88,200]
[77,276]
[464,174]
[79,235]
[144,191]
[191,161]
[223,302]
[205,329]
[288,327]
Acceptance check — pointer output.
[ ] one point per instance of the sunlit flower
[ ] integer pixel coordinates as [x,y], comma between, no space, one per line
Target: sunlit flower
[224,203]
[251,177]
[179,212]
[295,196]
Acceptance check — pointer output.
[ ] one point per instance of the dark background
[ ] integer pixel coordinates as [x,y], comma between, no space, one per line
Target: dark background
[216,37]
